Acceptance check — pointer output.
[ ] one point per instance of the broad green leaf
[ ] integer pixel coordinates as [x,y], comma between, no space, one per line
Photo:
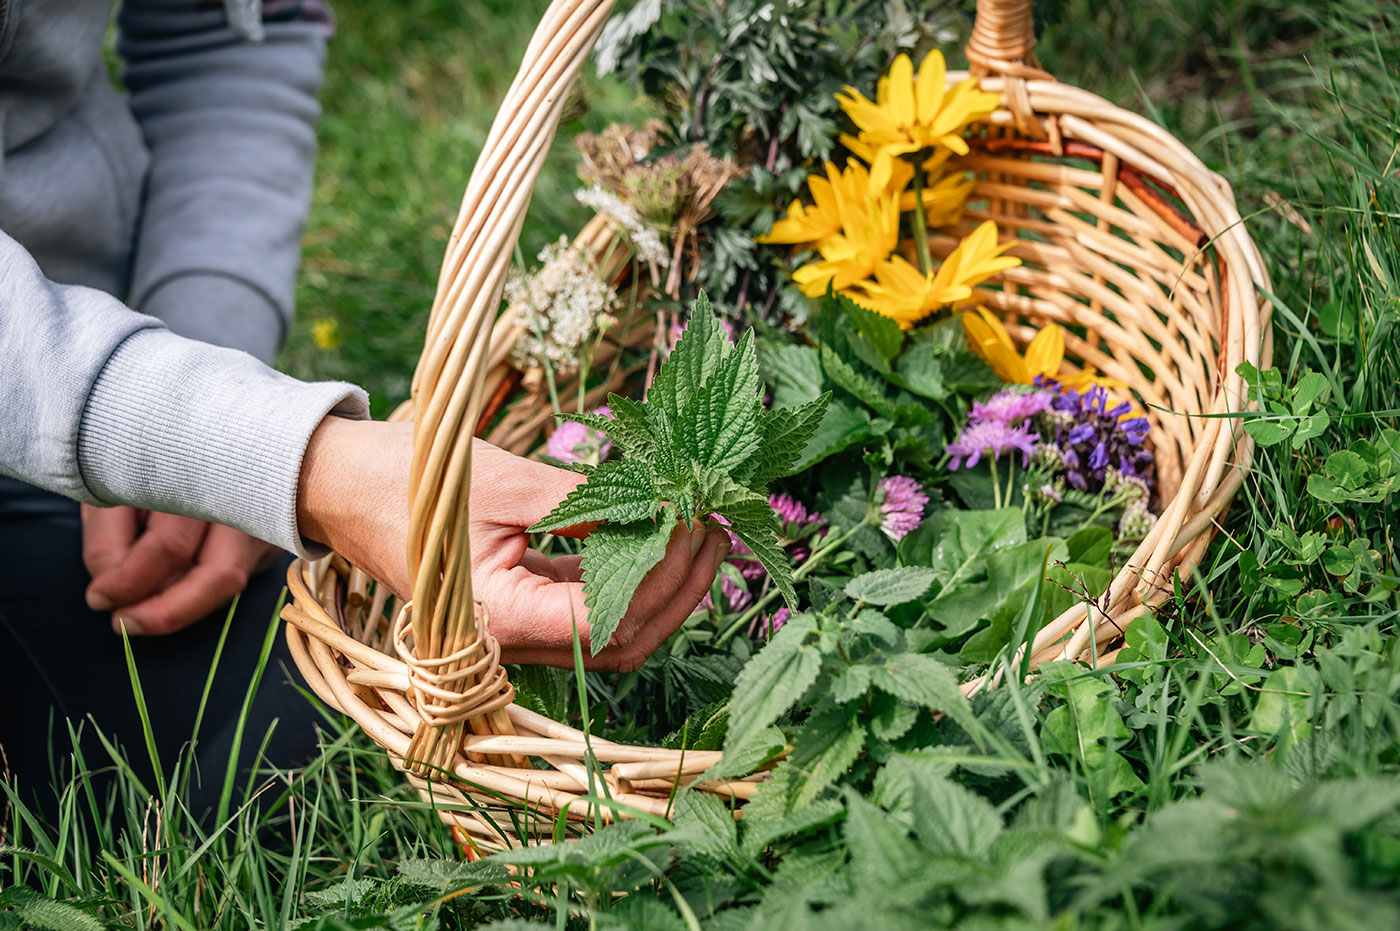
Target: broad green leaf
[786,432]
[891,586]
[793,373]
[824,749]
[949,819]
[707,823]
[921,371]
[1079,727]
[629,427]
[1309,389]
[866,390]
[1091,545]
[882,332]
[618,491]
[696,356]
[616,557]
[773,681]
[842,425]
[756,834]
[881,850]
[1311,427]
[923,680]
[720,424]
[1269,432]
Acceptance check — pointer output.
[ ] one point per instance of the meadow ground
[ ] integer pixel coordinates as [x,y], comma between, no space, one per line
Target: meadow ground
[1262,729]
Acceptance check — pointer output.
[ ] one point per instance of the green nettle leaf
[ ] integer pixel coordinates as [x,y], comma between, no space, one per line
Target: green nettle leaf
[842,425]
[620,491]
[948,818]
[923,680]
[628,427]
[793,373]
[696,356]
[786,432]
[762,538]
[773,681]
[864,389]
[880,847]
[615,560]
[720,425]
[824,750]
[891,586]
[882,332]
[707,824]
[921,371]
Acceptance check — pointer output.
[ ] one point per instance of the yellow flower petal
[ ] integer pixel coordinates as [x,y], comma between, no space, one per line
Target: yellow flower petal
[929,91]
[900,87]
[1046,351]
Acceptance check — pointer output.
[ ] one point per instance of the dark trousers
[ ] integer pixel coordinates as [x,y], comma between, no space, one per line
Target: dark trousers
[59,660]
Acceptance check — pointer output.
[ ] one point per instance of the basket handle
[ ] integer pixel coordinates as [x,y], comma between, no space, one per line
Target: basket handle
[456,680]
[1003,40]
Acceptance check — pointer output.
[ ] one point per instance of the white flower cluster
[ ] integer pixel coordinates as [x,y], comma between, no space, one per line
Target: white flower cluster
[560,306]
[646,242]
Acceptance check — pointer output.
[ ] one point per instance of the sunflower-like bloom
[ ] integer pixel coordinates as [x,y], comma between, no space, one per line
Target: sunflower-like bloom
[1044,358]
[945,191]
[904,294]
[869,232]
[838,195]
[912,113]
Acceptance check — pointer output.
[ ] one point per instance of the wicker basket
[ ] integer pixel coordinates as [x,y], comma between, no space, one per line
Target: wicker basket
[1126,239]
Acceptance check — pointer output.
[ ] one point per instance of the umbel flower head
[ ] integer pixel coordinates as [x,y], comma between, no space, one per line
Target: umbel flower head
[911,113]
[902,502]
[560,308]
[906,295]
[1044,358]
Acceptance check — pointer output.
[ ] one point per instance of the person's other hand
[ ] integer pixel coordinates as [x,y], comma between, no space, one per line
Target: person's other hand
[159,573]
[354,497]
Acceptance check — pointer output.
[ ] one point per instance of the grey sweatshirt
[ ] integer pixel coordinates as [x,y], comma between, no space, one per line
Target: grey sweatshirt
[186,199]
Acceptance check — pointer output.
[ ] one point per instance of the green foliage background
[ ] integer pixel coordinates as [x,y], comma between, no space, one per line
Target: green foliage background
[1240,768]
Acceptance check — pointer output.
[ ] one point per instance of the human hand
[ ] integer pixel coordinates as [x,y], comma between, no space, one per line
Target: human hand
[354,497]
[158,573]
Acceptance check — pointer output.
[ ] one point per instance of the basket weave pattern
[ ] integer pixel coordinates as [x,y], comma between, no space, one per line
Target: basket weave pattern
[1126,239]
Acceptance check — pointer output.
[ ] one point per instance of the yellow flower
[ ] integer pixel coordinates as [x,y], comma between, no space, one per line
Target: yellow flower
[1045,355]
[836,199]
[867,236]
[912,113]
[325,333]
[903,293]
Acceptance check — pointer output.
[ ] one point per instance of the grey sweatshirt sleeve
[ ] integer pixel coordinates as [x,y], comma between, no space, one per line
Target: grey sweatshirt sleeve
[230,125]
[109,407]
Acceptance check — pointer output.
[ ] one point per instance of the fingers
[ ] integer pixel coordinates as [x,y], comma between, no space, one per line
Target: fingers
[518,492]
[165,548]
[107,536]
[221,569]
[531,616]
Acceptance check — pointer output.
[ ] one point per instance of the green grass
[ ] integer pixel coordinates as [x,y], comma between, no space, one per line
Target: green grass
[1261,715]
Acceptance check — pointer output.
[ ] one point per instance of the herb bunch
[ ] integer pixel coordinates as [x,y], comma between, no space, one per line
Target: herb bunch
[700,446]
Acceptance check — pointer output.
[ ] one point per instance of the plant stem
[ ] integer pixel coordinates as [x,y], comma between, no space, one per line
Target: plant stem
[920,222]
[996,483]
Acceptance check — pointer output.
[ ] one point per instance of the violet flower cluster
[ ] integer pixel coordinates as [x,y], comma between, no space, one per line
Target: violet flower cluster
[1000,426]
[1093,439]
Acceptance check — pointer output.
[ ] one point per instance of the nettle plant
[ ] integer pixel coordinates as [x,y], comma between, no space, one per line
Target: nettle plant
[700,446]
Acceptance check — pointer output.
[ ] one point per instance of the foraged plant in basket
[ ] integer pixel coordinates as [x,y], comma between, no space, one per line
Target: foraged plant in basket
[969,405]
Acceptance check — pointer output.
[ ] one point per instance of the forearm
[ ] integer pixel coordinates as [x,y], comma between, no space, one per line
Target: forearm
[108,407]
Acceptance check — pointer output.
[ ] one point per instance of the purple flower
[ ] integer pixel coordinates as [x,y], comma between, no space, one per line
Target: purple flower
[572,442]
[988,437]
[776,622]
[1094,438]
[736,597]
[1010,406]
[901,506]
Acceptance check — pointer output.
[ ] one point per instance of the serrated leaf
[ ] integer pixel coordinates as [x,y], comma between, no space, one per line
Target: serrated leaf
[880,849]
[616,557]
[38,911]
[786,432]
[824,750]
[618,491]
[886,587]
[924,681]
[757,834]
[921,371]
[793,373]
[720,424]
[773,681]
[866,390]
[882,332]
[696,356]
[843,425]
[761,536]
[948,818]
[629,427]
[707,824]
